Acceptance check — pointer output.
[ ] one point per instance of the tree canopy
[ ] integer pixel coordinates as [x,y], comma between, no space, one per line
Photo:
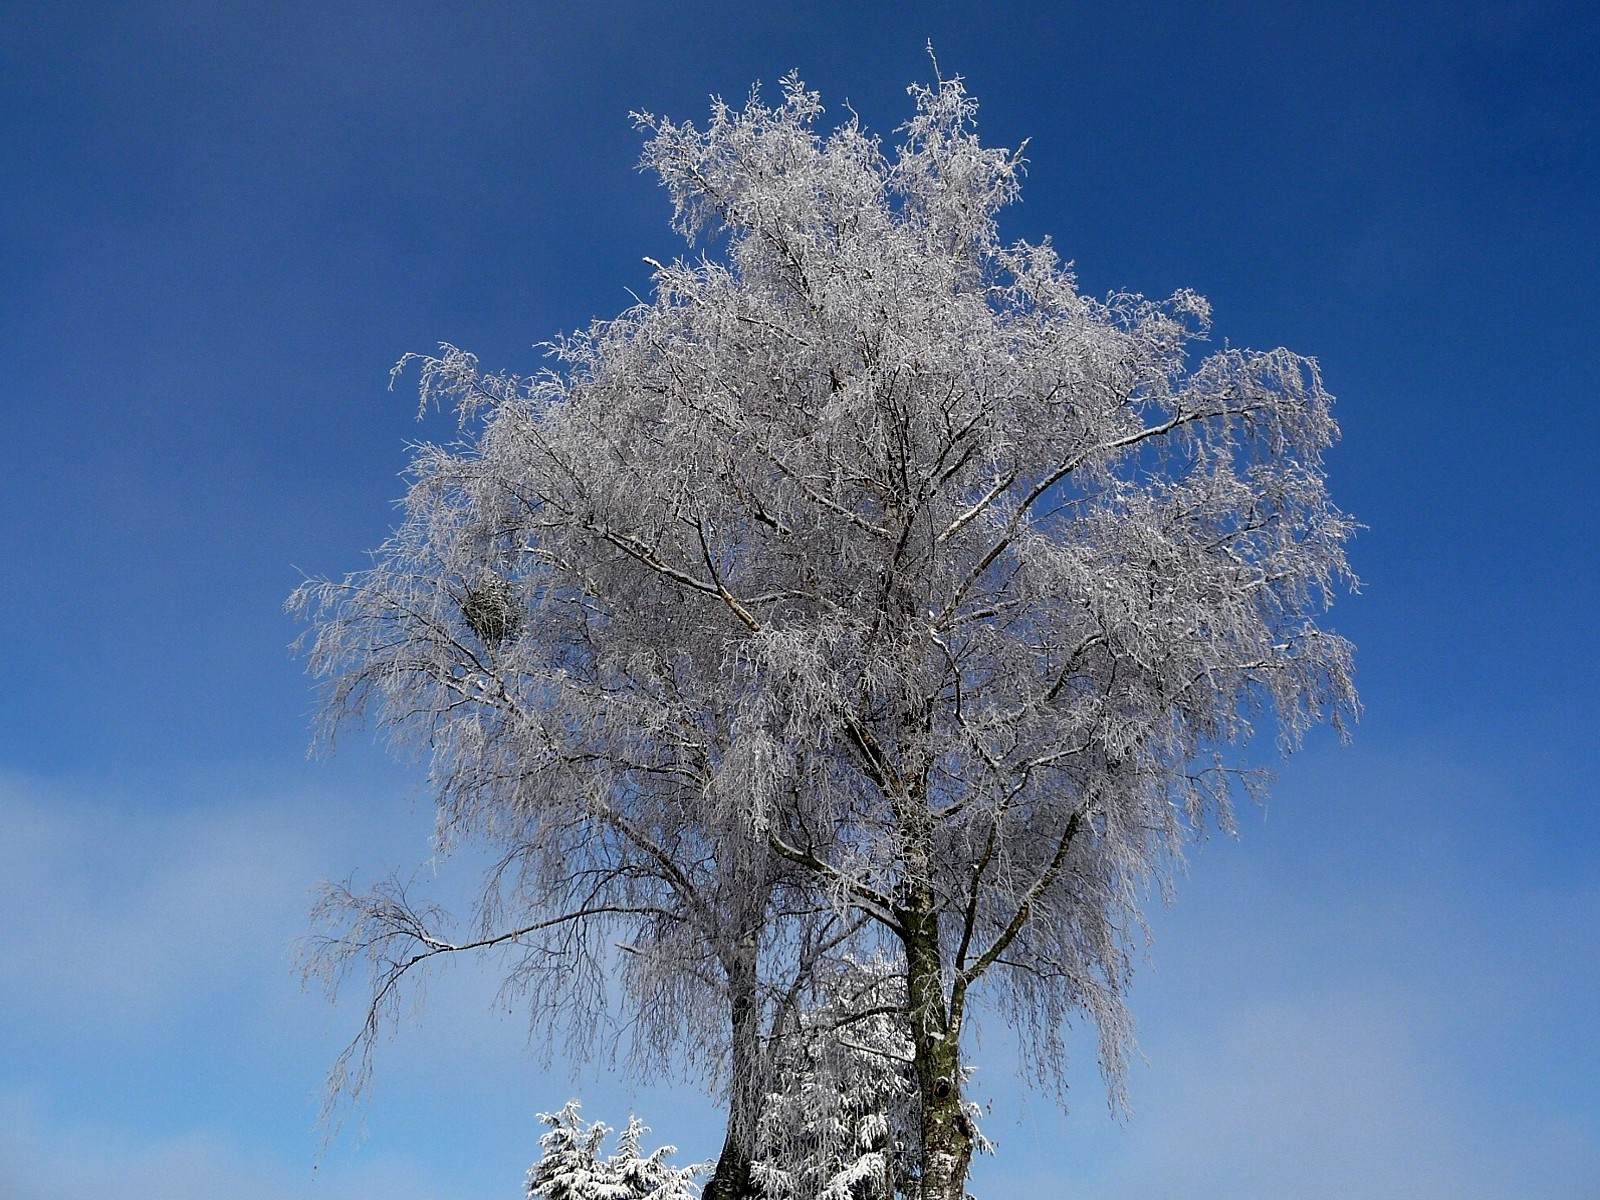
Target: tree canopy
[868,588]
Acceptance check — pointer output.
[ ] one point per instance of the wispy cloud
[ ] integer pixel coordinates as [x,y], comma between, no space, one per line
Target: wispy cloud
[1339,1096]
[41,1159]
[1336,1009]
[160,1045]
[131,917]
[1326,1097]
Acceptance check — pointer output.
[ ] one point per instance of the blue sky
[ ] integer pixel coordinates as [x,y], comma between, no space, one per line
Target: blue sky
[220,224]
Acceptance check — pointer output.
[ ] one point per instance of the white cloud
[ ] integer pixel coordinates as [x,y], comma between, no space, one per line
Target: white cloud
[166,1050]
[1338,1096]
[1320,1022]
[42,1160]
[1358,1020]
[134,914]
[1330,1097]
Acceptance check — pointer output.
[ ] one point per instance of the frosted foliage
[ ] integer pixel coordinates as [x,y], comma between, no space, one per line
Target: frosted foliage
[570,1166]
[868,559]
[841,1122]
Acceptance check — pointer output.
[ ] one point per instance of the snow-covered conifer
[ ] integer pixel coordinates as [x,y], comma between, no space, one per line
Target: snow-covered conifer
[570,1166]
[840,1123]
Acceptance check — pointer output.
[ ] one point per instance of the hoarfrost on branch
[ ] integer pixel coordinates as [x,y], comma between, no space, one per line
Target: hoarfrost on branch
[868,588]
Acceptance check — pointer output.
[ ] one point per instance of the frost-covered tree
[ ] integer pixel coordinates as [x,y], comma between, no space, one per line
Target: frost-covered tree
[874,563]
[570,1166]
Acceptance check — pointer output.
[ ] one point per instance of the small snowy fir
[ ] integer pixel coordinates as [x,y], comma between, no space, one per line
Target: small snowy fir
[841,1122]
[571,1168]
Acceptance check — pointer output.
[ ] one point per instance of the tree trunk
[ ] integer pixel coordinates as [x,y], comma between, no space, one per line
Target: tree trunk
[946,1132]
[947,1140]
[734,1177]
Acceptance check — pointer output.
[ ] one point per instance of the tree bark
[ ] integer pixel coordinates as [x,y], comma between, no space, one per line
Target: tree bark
[734,1176]
[946,1131]
[947,1140]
